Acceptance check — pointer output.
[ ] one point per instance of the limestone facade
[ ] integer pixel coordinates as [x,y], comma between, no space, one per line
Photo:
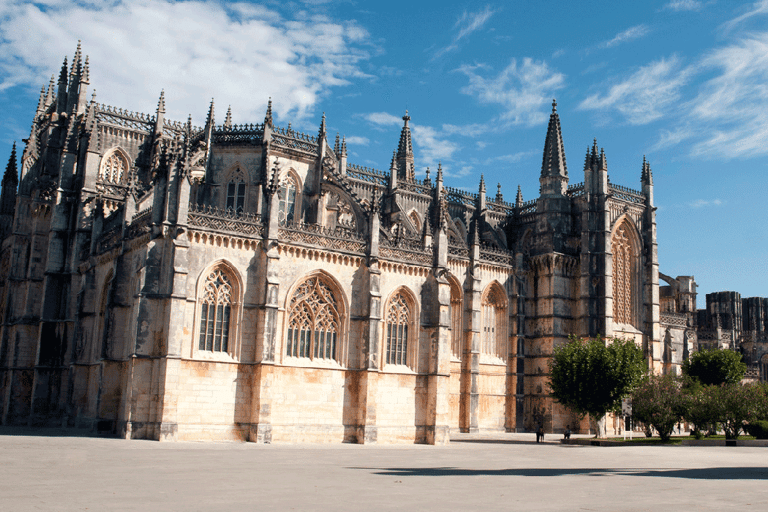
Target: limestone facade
[167,281]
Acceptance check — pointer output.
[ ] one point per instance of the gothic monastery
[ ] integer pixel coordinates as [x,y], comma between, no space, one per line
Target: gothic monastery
[173,282]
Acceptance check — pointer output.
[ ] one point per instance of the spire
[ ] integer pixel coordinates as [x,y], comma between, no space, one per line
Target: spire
[77,60]
[499,197]
[49,93]
[646,177]
[210,120]
[603,161]
[405,165]
[440,171]
[322,131]
[482,184]
[553,162]
[519,198]
[343,146]
[10,184]
[336,146]
[61,91]
[160,114]
[41,102]
[90,124]
[268,116]
[85,78]
[63,73]
[228,118]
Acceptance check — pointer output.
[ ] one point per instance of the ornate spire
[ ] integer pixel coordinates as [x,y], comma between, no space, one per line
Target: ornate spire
[343,146]
[63,72]
[160,114]
[228,118]
[482,184]
[440,171]
[210,120]
[405,165]
[337,146]
[49,93]
[553,162]
[499,197]
[519,197]
[10,184]
[85,78]
[41,102]
[393,163]
[77,60]
[646,178]
[603,160]
[268,116]
[321,131]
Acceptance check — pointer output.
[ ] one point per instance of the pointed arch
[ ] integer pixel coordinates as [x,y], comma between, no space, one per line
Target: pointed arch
[289,195]
[415,219]
[401,328]
[460,229]
[457,316]
[218,309]
[316,318]
[236,182]
[115,167]
[493,340]
[626,284]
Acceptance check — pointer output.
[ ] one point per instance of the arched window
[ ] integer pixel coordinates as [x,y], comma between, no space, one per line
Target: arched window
[314,321]
[414,217]
[216,312]
[236,196]
[114,169]
[493,341]
[457,331]
[398,324]
[286,196]
[624,272]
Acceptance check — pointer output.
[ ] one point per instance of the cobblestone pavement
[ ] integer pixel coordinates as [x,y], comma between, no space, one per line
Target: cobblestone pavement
[503,472]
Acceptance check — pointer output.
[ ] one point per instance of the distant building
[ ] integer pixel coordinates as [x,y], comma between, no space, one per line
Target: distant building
[167,281]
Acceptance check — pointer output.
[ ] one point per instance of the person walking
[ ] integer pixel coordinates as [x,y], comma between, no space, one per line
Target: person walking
[540,433]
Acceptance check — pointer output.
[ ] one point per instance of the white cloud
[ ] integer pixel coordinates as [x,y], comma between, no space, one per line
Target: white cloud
[683,5]
[466,25]
[524,91]
[757,9]
[701,203]
[630,34]
[238,53]
[358,141]
[646,95]
[380,120]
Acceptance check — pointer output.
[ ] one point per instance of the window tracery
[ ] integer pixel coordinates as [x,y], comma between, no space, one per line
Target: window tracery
[236,191]
[286,195]
[216,312]
[398,323]
[493,340]
[314,321]
[624,286]
[114,169]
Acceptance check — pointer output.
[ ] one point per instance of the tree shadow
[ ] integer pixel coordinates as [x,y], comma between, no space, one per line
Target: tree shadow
[713,473]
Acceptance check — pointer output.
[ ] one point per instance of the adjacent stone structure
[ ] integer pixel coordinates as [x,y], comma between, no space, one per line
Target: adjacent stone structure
[167,281]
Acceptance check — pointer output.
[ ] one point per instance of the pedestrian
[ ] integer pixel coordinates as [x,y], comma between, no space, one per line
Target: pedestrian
[567,433]
[540,433]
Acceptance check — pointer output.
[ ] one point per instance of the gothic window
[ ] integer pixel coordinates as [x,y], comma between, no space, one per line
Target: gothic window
[493,340]
[624,272]
[216,312]
[114,169]
[456,320]
[414,217]
[314,321]
[236,196]
[398,324]
[286,196]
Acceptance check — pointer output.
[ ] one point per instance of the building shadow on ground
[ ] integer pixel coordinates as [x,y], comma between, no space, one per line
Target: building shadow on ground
[714,473]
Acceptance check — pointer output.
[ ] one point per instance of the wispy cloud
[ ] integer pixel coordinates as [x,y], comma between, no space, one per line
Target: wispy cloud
[467,23]
[523,90]
[702,203]
[646,94]
[757,9]
[683,5]
[185,47]
[630,34]
[357,141]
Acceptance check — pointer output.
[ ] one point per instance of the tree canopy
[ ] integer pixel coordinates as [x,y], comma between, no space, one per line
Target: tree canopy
[717,366]
[660,402]
[591,377]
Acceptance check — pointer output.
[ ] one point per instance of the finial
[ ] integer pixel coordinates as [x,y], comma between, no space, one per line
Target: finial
[86,75]
[406,117]
[336,146]
[439,170]
[482,184]
[268,116]
[393,164]
[554,105]
[519,197]
[343,146]
[228,118]
[93,96]
[63,74]
[161,101]
[426,178]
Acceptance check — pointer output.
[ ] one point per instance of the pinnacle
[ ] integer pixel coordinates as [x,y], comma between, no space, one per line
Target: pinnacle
[63,74]
[228,118]
[553,161]
[11,170]
[86,75]
[161,101]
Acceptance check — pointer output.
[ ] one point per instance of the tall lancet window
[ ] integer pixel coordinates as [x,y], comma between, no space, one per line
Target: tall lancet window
[457,330]
[623,247]
[286,196]
[216,312]
[493,341]
[398,327]
[114,169]
[314,321]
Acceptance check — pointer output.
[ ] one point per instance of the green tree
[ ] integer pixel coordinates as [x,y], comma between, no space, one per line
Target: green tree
[701,407]
[713,367]
[740,405]
[591,377]
[659,401]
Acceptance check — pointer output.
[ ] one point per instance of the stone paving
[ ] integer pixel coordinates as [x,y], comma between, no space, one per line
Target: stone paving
[502,472]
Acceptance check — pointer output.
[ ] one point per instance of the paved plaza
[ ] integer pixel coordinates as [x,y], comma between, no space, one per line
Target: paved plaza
[503,472]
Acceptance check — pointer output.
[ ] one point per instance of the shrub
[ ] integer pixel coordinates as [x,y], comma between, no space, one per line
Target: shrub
[712,367]
[759,429]
[659,402]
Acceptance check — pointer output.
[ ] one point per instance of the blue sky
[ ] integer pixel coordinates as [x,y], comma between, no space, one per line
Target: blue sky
[684,82]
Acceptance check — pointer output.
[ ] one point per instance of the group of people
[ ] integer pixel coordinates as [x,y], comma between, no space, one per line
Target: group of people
[540,432]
